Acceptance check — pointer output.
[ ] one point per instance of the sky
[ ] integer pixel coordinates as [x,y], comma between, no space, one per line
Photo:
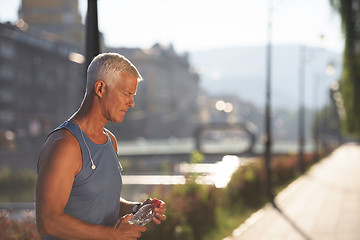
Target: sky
[197,25]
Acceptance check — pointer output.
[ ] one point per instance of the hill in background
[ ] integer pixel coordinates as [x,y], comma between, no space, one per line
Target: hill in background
[242,72]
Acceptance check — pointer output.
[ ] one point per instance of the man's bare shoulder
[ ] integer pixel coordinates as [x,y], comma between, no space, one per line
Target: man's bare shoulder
[61,138]
[61,146]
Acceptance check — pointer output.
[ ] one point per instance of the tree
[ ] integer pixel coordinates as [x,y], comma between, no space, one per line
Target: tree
[349,11]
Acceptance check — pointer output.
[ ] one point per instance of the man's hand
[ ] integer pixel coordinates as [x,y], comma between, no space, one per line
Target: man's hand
[128,231]
[160,209]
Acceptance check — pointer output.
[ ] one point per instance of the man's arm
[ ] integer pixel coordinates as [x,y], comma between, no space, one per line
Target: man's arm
[59,162]
[126,207]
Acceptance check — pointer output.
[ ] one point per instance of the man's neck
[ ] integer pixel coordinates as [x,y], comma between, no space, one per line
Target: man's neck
[90,119]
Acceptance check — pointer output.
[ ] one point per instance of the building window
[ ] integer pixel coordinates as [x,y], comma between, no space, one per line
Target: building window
[50,81]
[7,50]
[6,95]
[25,102]
[7,116]
[6,73]
[40,78]
[24,77]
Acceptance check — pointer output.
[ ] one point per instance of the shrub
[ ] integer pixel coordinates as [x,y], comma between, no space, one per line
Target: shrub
[17,230]
[17,186]
[246,185]
[190,212]
[194,212]
[286,167]
[198,211]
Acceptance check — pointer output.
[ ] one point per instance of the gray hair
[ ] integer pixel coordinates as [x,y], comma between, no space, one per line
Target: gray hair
[105,65]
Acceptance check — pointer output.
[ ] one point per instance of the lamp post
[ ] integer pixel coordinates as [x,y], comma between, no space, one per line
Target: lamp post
[301,109]
[268,140]
[338,109]
[330,71]
[317,120]
[321,118]
[317,109]
[92,32]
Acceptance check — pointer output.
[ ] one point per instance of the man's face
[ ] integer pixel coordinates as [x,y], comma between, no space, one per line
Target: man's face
[120,97]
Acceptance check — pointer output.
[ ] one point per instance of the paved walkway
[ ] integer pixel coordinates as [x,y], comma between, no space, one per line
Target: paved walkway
[323,204]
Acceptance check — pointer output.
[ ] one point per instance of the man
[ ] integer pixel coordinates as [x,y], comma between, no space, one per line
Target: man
[79,180]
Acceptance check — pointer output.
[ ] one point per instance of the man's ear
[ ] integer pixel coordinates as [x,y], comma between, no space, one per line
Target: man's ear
[99,87]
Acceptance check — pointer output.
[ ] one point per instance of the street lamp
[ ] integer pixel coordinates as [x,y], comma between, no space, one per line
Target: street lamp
[302,109]
[317,121]
[304,57]
[267,153]
[338,109]
[92,32]
[330,71]
[318,134]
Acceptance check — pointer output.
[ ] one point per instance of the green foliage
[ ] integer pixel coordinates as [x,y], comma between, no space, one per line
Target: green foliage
[203,212]
[228,218]
[190,212]
[352,122]
[17,186]
[196,157]
[350,80]
[199,212]
[246,185]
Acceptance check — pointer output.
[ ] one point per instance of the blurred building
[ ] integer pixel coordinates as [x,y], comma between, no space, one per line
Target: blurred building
[42,81]
[60,17]
[41,84]
[166,103]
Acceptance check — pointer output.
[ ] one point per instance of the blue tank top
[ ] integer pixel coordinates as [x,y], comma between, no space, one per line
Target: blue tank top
[95,194]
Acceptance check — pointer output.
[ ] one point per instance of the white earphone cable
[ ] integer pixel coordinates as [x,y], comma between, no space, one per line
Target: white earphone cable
[93,166]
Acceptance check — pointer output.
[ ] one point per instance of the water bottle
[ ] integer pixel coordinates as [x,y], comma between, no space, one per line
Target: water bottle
[145,214]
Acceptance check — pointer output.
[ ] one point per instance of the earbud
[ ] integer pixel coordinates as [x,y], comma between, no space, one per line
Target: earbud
[93,166]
